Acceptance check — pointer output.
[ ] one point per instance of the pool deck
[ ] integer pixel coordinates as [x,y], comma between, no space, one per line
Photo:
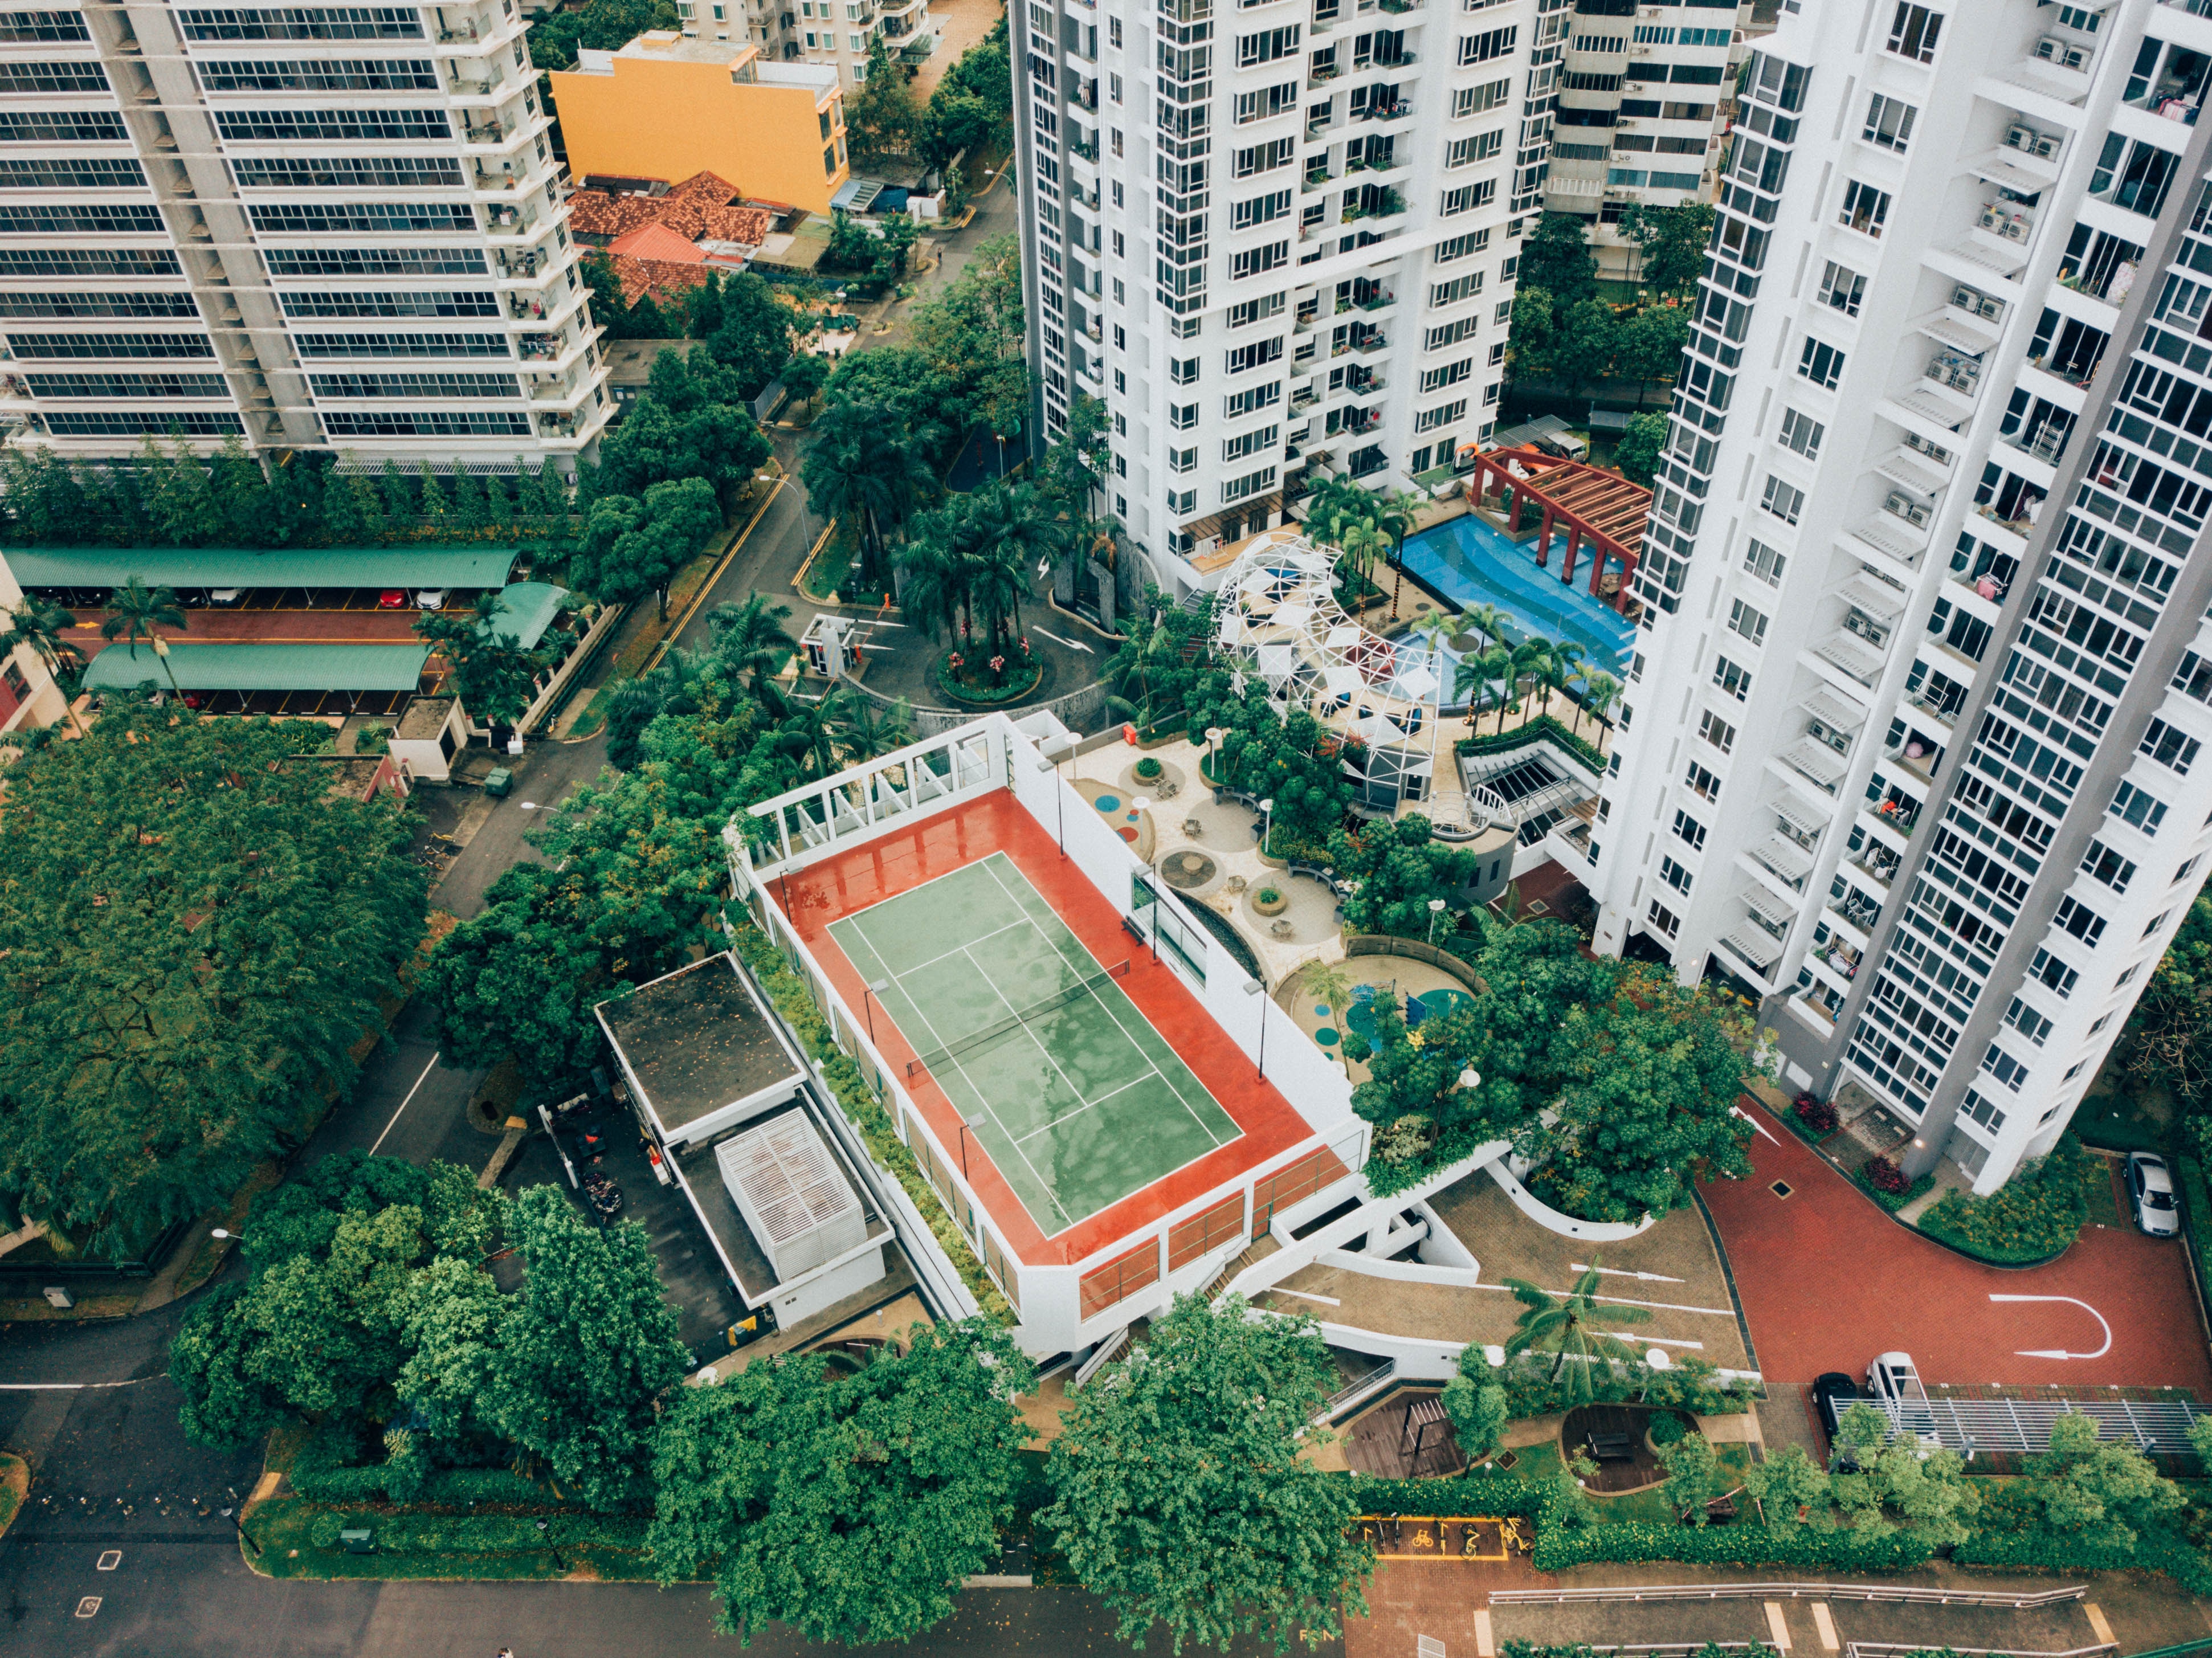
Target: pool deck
[1523,589]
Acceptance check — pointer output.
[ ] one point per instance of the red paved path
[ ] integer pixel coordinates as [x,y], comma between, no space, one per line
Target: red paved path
[821,893]
[266,627]
[1827,1281]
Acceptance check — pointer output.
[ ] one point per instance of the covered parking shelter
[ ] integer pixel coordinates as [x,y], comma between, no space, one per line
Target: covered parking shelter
[273,578]
[291,681]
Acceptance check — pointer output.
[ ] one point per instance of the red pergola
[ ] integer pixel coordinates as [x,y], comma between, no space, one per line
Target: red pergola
[1599,508]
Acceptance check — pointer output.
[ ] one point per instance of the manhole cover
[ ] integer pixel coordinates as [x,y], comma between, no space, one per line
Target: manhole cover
[1780,1188]
[1187,870]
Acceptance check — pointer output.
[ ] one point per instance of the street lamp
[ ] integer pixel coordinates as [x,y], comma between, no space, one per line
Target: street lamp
[1059,799]
[877,990]
[1253,987]
[1436,908]
[1213,735]
[973,1121]
[1266,825]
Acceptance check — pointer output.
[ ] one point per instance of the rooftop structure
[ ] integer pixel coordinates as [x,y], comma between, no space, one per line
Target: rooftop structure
[699,1052]
[667,105]
[1073,1061]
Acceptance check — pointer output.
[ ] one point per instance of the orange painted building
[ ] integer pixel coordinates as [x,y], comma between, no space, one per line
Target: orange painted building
[666,106]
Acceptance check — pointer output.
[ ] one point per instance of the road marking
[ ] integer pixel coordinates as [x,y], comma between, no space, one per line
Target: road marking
[1485,1642]
[404,1103]
[1327,1301]
[1777,1628]
[1071,644]
[1825,1624]
[87,1607]
[1738,1111]
[2096,1615]
[2061,1352]
[72,1387]
[1625,1272]
[109,1560]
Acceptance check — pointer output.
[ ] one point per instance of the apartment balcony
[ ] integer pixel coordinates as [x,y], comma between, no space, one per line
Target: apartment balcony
[1914,468]
[1874,864]
[2017,166]
[1322,74]
[1884,535]
[1917,756]
[1853,656]
[1755,946]
[1401,109]
[1782,860]
[2044,442]
[1942,707]
[1962,331]
[1088,149]
[2057,68]
[1816,762]
[1840,957]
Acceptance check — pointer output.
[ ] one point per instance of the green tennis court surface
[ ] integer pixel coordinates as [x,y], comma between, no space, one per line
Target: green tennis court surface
[1081,1101]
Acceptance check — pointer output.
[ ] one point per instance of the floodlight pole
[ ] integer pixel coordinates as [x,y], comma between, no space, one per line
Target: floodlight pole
[967,1123]
[1253,988]
[877,990]
[1059,798]
[1436,908]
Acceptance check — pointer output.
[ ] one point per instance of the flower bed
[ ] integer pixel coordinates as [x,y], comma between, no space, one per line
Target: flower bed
[1894,1195]
[1815,1118]
[2032,1219]
[987,682]
[1149,769]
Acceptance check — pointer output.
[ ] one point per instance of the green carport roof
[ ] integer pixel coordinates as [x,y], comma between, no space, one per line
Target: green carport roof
[277,566]
[263,667]
[527,609]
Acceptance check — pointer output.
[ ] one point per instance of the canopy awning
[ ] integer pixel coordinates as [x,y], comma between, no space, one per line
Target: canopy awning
[465,567]
[262,667]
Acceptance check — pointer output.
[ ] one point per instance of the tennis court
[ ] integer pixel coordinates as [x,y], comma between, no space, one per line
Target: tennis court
[1077,1100]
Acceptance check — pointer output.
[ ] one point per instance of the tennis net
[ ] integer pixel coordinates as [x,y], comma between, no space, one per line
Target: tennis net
[1086,986]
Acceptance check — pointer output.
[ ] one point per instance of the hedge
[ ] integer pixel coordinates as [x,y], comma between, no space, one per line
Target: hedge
[1893,1201]
[482,1533]
[1475,1491]
[2196,1209]
[1559,1548]
[2033,1218]
[2156,1549]
[1536,730]
[796,1004]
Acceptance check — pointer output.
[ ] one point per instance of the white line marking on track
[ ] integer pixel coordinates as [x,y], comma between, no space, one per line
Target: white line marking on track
[1776,1627]
[1825,1624]
[2061,1352]
[1326,1301]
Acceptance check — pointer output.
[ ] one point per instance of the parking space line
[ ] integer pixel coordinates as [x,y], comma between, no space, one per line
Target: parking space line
[2096,1615]
[1776,1627]
[1485,1641]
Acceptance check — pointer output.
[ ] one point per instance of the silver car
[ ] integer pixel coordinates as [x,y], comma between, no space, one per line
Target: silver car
[2151,1188]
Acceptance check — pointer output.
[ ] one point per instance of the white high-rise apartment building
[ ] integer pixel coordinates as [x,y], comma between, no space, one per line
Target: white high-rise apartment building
[1641,112]
[309,227]
[1914,745]
[834,33]
[1267,234]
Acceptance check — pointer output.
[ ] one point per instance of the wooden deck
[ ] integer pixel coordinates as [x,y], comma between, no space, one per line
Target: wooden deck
[1379,1443]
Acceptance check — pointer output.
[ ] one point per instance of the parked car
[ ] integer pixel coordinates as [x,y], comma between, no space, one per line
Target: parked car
[430,598]
[1894,1379]
[2151,1188]
[391,599]
[1834,1394]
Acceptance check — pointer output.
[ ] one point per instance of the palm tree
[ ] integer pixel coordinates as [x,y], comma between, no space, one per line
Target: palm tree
[1013,530]
[935,594]
[1363,539]
[1396,513]
[1525,661]
[750,638]
[1561,663]
[809,734]
[1563,1326]
[1328,983]
[1473,675]
[857,467]
[1600,692]
[38,625]
[865,728]
[134,611]
[1488,620]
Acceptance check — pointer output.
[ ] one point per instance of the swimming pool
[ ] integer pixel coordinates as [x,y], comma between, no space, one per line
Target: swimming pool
[1472,563]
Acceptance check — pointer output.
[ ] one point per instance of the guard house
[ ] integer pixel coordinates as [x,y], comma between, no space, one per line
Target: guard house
[721,1093]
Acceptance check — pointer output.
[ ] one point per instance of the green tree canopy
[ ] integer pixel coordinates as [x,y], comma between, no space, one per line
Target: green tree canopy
[1556,258]
[1637,454]
[193,933]
[1672,242]
[1182,1498]
[1400,865]
[584,1356]
[882,116]
[688,425]
[631,546]
[495,674]
[2168,1041]
[2101,1490]
[1896,1487]
[849,1507]
[1649,344]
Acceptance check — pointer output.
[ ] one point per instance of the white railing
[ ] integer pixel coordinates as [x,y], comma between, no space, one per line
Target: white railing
[1913,1593]
[2023,1425]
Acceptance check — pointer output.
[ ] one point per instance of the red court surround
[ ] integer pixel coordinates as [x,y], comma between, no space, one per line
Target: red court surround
[915,852]
[1827,1281]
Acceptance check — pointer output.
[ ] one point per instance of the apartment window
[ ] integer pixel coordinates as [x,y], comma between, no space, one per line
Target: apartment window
[1465,152]
[1763,562]
[1450,334]
[1747,622]
[1888,123]
[1732,678]
[1801,434]
[1614,42]
[1245,313]
[1182,416]
[1716,731]
[1460,247]
[2157,922]
[1258,353]
[1690,831]
[1975,1108]
[1430,419]
[1251,400]
[1912,32]
[2139,808]
[1251,443]
[1268,45]
[1673,875]
[1250,484]
[1435,380]
[1451,293]
[1486,46]
[2174,750]
[1265,158]
[2005,1068]
[1702,782]
[1821,363]
[1254,260]
[1664,921]
[1842,289]
[1477,100]
[1784,500]
[1865,209]
[1465,198]
[1183,370]
[2104,864]
[2078,918]
[2185,871]
[1261,210]
[1265,104]
[2027,1021]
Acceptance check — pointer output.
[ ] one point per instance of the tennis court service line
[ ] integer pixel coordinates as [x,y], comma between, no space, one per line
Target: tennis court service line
[956,949]
[937,1039]
[1106,1003]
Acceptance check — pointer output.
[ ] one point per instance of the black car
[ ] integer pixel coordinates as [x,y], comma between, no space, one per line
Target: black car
[1835,1393]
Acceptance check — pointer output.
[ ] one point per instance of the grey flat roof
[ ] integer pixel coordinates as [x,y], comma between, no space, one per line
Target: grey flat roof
[711,1200]
[696,1041]
[465,567]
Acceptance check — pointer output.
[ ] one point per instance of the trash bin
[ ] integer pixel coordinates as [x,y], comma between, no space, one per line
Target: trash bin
[498,782]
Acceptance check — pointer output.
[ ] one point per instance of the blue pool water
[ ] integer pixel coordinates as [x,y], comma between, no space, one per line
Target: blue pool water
[1471,563]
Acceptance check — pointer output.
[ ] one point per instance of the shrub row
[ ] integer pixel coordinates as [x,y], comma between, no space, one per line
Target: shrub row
[1476,1492]
[481,1533]
[2032,1219]
[2156,1549]
[866,1112]
[1558,1547]
[1532,731]
[446,1486]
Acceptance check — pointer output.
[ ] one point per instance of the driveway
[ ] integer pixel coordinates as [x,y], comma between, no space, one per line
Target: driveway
[1828,1280]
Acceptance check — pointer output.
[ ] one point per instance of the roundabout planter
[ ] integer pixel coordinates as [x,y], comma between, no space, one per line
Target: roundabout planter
[1023,680]
[1270,900]
[1149,770]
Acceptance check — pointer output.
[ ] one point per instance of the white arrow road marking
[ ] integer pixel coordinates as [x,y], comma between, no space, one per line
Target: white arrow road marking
[1071,644]
[2060,1352]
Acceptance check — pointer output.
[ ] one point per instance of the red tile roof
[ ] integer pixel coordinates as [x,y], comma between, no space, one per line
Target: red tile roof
[698,209]
[663,281]
[657,241]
